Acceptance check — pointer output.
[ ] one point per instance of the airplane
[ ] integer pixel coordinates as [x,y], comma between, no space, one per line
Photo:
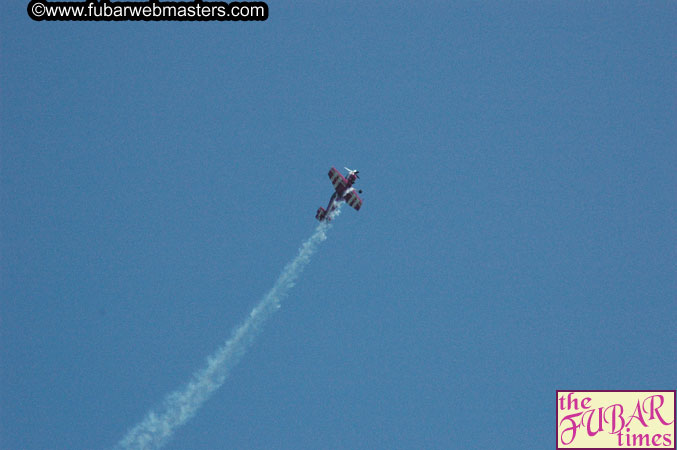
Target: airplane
[344,191]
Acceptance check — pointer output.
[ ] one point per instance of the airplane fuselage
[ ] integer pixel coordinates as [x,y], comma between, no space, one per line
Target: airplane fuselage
[340,193]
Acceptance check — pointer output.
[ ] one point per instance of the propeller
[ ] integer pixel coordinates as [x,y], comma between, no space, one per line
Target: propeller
[353,171]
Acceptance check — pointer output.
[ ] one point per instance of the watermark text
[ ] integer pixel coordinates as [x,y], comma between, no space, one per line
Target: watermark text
[154,10]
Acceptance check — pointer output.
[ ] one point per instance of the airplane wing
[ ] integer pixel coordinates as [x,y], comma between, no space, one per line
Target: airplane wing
[353,200]
[338,180]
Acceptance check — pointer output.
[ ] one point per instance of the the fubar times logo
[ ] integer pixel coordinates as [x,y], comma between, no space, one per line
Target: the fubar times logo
[615,419]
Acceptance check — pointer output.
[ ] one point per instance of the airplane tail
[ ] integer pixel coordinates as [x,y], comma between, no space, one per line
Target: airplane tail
[321,214]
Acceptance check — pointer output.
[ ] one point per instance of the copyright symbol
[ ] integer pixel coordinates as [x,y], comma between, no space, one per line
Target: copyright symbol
[36,10]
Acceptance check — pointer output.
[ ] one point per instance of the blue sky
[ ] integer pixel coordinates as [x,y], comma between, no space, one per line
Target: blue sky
[518,233]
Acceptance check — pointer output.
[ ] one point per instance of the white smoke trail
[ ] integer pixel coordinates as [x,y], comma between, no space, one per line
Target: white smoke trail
[178,407]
